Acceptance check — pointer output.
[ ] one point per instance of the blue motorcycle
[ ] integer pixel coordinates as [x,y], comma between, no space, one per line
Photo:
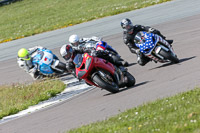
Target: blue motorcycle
[155,47]
[47,63]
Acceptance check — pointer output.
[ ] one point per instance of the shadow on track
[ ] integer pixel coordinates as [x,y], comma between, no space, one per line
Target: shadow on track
[124,89]
[131,64]
[180,61]
[186,59]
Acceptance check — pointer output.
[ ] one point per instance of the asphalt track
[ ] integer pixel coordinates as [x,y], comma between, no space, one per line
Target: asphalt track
[153,81]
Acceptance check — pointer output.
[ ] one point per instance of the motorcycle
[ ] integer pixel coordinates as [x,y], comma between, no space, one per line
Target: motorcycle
[101,73]
[155,47]
[98,46]
[47,63]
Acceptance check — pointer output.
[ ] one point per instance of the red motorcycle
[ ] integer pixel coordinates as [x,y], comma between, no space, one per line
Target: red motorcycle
[101,73]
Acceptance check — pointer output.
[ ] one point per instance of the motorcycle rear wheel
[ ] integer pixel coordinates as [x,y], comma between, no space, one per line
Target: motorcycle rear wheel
[113,88]
[168,55]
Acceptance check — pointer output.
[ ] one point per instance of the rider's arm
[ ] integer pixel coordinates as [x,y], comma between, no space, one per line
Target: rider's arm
[22,64]
[32,71]
[153,30]
[132,49]
[128,43]
[147,29]
[93,38]
[109,48]
[70,66]
[82,50]
[141,28]
[33,49]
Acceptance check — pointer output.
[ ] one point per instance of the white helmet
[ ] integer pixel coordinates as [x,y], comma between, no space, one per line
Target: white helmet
[66,51]
[73,39]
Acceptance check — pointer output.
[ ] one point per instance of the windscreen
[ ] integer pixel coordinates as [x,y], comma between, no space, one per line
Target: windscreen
[78,60]
[139,38]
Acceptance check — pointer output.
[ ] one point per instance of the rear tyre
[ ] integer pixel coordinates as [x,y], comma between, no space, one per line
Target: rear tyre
[113,88]
[168,55]
[131,79]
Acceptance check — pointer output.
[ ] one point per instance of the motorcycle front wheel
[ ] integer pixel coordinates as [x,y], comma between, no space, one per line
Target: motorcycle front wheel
[131,79]
[111,87]
[168,55]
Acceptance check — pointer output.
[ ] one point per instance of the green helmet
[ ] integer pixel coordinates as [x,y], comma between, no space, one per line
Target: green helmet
[23,53]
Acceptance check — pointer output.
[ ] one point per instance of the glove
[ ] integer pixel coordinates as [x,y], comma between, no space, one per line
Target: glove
[104,53]
[94,53]
[70,65]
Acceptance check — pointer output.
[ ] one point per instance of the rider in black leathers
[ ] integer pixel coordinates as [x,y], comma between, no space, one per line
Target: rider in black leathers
[129,33]
[68,53]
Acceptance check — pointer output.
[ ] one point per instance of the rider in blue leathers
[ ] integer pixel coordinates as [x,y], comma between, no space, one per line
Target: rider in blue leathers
[27,60]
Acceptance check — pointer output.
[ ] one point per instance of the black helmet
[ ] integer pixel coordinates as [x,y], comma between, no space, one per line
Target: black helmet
[126,24]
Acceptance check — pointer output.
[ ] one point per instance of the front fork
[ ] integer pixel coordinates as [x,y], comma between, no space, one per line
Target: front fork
[120,76]
[160,47]
[166,46]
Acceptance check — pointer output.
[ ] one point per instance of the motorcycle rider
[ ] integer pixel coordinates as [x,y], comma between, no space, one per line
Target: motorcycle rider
[68,53]
[79,43]
[24,61]
[129,33]
[111,55]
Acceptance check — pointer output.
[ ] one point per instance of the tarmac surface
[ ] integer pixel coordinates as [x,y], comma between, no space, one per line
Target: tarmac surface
[153,81]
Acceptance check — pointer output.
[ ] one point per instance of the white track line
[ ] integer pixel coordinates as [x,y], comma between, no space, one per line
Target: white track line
[74,88]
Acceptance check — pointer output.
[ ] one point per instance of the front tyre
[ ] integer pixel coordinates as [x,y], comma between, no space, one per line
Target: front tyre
[131,79]
[168,55]
[113,88]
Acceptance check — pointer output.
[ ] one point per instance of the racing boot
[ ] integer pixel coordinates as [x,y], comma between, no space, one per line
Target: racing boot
[142,60]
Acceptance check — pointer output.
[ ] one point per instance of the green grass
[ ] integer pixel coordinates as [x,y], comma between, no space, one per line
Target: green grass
[17,97]
[29,17]
[177,114]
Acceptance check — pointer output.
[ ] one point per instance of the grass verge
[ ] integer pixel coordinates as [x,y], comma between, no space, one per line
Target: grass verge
[29,17]
[20,96]
[177,114]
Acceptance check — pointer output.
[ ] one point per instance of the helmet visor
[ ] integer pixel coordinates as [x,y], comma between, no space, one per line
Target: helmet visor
[27,57]
[129,28]
[69,52]
[67,56]
[75,44]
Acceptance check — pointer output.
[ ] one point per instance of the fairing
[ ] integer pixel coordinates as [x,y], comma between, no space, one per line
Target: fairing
[44,59]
